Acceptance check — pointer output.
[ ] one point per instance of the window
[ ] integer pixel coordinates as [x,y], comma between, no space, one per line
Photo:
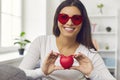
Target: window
[10,23]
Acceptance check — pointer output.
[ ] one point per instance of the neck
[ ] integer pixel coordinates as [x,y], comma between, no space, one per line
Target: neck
[66,46]
[65,42]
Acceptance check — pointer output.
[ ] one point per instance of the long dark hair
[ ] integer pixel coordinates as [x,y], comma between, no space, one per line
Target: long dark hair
[84,36]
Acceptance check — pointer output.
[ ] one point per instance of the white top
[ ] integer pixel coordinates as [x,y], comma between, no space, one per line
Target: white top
[42,45]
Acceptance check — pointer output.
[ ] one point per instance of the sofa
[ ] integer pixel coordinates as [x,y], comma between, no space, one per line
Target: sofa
[8,72]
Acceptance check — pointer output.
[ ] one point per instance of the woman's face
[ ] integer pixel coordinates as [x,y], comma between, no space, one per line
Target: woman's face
[69,21]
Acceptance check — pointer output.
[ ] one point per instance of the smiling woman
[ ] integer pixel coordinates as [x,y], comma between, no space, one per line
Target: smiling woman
[10,20]
[71,36]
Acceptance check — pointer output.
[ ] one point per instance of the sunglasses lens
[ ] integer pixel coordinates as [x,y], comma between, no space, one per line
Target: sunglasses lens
[76,19]
[63,18]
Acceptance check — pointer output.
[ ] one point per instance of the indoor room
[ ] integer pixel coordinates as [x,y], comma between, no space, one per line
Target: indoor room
[23,21]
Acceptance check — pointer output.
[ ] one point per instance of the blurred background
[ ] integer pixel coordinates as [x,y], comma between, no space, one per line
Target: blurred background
[35,18]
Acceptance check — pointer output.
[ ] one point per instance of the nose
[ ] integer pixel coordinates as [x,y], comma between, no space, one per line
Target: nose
[69,22]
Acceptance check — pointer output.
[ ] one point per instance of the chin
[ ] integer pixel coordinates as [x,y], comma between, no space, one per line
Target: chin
[69,35]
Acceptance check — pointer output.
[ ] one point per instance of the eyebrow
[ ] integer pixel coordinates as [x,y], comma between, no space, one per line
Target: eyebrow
[68,14]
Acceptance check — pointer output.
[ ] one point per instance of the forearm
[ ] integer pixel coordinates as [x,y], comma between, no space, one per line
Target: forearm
[36,73]
[100,71]
[103,74]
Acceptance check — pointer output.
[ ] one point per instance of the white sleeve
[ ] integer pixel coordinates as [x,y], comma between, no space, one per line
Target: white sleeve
[100,71]
[31,59]
[37,73]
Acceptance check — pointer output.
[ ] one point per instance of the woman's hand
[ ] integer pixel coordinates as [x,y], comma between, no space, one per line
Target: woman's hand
[85,64]
[49,63]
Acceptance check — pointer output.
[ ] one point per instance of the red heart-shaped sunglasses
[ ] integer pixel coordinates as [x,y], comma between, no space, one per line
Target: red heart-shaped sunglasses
[76,19]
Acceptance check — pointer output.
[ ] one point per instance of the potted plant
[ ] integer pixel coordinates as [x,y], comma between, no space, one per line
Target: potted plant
[100,6]
[22,42]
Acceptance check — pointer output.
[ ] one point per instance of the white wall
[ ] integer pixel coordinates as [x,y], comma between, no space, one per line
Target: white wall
[38,18]
[34,18]
[110,7]
[51,7]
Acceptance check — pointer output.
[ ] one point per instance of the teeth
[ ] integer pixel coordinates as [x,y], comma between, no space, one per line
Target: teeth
[69,29]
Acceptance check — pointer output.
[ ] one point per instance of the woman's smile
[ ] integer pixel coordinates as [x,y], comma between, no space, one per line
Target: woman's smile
[69,29]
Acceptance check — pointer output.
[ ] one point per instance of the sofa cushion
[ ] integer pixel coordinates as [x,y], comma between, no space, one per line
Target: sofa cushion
[8,72]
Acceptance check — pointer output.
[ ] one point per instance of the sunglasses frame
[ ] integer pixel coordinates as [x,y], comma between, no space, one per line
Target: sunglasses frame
[76,19]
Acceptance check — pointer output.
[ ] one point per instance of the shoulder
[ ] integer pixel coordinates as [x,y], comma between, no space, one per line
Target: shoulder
[88,52]
[92,54]
[83,48]
[43,38]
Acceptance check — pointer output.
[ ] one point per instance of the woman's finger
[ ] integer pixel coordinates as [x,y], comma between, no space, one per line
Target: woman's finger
[74,67]
[51,58]
[52,55]
[81,58]
[58,68]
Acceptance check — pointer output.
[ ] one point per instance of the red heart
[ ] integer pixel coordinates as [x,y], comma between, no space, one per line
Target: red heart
[66,61]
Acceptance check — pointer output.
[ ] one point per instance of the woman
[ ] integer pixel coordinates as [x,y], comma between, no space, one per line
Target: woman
[72,36]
